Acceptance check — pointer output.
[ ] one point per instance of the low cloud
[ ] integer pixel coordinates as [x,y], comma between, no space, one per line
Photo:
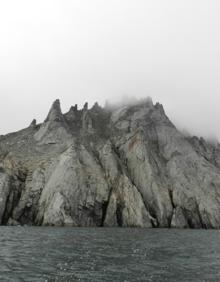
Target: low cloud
[88,51]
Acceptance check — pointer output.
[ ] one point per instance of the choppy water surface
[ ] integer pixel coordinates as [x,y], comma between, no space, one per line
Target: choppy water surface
[67,254]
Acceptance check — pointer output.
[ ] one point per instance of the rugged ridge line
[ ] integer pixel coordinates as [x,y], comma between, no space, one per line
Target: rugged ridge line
[124,166]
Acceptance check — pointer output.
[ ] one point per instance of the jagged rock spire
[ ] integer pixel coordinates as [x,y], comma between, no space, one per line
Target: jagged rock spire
[55,129]
[33,123]
[55,113]
[96,107]
[75,107]
[159,107]
[85,106]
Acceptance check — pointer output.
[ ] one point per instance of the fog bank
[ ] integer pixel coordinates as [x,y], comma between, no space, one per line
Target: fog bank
[98,50]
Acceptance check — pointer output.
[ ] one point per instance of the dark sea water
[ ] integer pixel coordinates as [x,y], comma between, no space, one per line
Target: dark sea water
[87,254]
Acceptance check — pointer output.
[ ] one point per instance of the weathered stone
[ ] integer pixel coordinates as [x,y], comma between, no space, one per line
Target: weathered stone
[55,113]
[33,123]
[4,193]
[122,166]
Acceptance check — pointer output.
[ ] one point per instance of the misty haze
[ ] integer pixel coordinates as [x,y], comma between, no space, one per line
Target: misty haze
[96,51]
[109,140]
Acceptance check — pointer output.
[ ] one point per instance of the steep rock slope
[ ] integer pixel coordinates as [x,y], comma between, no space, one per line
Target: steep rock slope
[126,166]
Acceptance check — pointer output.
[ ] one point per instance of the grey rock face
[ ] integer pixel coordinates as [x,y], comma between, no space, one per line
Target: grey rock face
[4,193]
[55,113]
[54,129]
[126,166]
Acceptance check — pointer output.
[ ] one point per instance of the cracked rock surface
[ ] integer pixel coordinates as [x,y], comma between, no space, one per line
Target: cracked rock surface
[126,166]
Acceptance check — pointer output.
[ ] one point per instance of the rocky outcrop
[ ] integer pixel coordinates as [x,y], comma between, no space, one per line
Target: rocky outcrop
[54,130]
[124,166]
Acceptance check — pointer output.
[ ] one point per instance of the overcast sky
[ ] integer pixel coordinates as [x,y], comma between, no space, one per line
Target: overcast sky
[83,50]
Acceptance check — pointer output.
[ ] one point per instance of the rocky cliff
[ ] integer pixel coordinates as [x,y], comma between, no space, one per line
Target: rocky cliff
[124,166]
